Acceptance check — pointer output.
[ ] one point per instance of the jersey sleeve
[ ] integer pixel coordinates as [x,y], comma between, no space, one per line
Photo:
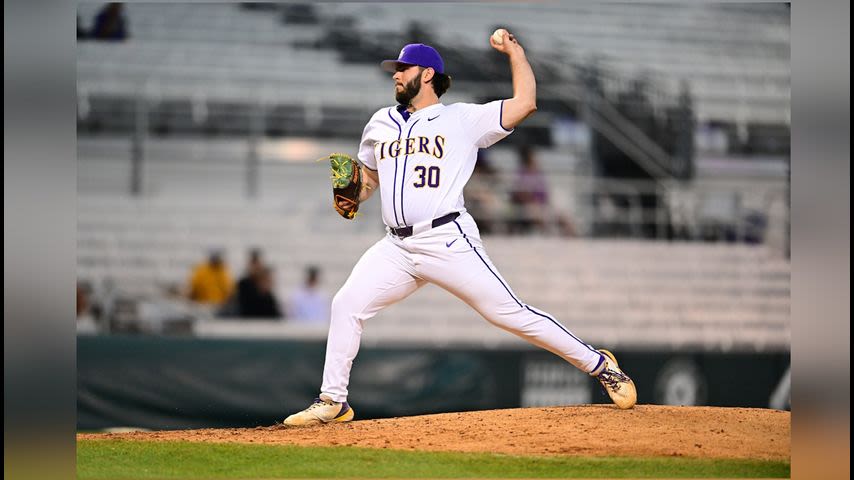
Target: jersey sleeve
[483,122]
[366,146]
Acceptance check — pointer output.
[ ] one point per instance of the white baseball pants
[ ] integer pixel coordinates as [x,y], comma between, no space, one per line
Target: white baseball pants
[452,257]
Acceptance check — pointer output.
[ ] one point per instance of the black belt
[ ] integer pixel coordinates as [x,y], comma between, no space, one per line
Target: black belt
[404,232]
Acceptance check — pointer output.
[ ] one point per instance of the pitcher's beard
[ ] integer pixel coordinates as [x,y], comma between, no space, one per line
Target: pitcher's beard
[410,91]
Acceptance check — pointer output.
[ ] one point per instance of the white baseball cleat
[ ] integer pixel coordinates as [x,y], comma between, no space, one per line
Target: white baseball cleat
[323,410]
[619,386]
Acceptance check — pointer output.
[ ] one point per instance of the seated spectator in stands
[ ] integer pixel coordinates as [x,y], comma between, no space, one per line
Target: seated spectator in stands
[260,302]
[110,23]
[309,303]
[85,319]
[211,283]
[247,285]
[529,194]
[485,195]
[251,300]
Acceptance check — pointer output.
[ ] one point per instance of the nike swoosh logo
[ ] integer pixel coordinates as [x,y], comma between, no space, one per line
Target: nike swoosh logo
[451,243]
[434,118]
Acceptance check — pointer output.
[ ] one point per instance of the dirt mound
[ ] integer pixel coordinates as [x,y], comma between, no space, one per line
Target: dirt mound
[588,430]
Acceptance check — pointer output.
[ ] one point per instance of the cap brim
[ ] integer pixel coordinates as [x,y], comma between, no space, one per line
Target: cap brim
[391,65]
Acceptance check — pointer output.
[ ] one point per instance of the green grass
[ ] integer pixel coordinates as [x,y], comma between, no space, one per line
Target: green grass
[126,460]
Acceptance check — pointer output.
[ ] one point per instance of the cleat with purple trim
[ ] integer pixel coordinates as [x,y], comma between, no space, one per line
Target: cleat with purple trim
[323,410]
[619,386]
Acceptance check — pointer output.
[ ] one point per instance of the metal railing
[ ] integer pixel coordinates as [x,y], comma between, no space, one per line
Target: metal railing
[754,210]
[708,210]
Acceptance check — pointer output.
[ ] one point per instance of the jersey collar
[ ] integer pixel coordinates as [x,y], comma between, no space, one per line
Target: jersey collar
[401,110]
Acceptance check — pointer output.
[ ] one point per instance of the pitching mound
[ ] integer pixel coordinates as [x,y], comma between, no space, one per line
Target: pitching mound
[588,430]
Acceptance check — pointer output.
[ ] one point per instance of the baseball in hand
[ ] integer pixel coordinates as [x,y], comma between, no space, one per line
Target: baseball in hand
[498,36]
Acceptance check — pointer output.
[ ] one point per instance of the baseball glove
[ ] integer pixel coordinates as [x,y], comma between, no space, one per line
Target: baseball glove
[346,184]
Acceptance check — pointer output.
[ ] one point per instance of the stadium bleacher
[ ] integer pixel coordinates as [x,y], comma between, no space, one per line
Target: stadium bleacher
[735,57]
[628,292]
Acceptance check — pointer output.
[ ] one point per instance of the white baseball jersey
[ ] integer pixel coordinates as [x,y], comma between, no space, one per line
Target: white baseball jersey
[425,161]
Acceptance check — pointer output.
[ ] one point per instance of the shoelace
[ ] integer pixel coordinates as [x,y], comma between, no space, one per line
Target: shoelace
[317,403]
[612,379]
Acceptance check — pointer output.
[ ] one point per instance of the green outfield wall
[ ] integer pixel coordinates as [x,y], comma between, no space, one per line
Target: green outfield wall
[182,382]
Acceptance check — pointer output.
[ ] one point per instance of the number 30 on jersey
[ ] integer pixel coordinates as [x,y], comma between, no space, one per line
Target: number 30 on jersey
[426,176]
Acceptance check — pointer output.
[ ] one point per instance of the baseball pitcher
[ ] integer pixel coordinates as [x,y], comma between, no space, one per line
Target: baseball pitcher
[419,154]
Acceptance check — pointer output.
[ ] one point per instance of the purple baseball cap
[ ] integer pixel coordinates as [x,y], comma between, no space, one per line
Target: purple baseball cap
[416,54]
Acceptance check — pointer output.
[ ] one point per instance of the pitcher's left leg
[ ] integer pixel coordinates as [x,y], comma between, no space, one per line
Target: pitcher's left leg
[466,271]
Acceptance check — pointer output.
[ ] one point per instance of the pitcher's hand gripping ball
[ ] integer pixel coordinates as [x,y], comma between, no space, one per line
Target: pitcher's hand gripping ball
[346,184]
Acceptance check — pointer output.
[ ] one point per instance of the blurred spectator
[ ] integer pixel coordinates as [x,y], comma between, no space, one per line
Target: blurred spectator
[110,23]
[529,194]
[254,297]
[85,319]
[211,282]
[261,303]
[247,286]
[309,303]
[483,195]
